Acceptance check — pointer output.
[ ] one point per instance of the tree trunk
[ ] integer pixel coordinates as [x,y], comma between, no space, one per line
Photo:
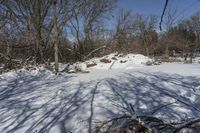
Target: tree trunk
[191,56]
[8,48]
[145,44]
[167,50]
[56,41]
[38,31]
[37,47]
[147,52]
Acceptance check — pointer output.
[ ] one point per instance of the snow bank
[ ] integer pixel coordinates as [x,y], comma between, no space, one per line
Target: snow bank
[119,61]
[112,61]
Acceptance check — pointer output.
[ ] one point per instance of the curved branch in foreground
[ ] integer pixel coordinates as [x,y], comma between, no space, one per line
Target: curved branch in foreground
[144,122]
[163,13]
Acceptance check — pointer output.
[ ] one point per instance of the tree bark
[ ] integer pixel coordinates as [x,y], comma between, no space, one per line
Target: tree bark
[167,50]
[38,31]
[56,41]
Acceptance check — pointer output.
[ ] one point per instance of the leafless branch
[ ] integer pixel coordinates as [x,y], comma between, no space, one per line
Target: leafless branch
[163,13]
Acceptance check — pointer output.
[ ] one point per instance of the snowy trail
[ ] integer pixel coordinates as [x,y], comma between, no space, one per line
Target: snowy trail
[43,102]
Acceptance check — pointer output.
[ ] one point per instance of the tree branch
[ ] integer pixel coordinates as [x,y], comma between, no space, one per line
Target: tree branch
[187,125]
[163,13]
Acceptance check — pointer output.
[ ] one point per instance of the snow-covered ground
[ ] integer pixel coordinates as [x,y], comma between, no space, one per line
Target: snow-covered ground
[39,101]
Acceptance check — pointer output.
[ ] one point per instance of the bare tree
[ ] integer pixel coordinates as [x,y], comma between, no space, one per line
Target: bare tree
[93,13]
[56,41]
[146,28]
[195,27]
[3,16]
[86,22]
[188,37]
[169,21]
[124,30]
[30,15]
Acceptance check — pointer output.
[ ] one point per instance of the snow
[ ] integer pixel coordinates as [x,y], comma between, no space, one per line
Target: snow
[115,61]
[120,61]
[39,101]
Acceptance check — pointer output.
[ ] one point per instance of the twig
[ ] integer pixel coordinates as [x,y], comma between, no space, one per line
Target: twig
[153,112]
[178,100]
[114,119]
[187,125]
[112,65]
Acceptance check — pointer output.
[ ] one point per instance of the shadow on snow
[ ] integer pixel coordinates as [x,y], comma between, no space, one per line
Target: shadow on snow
[39,104]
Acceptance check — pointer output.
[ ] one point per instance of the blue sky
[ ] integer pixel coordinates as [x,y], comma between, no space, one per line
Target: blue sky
[185,7]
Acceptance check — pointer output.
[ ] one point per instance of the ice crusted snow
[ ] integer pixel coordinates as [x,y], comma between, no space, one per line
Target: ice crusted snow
[39,101]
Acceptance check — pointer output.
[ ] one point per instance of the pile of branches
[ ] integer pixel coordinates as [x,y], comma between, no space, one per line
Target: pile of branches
[146,124]
[7,63]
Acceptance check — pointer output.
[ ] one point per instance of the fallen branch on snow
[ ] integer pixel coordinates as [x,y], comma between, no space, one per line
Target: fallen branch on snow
[95,50]
[145,124]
